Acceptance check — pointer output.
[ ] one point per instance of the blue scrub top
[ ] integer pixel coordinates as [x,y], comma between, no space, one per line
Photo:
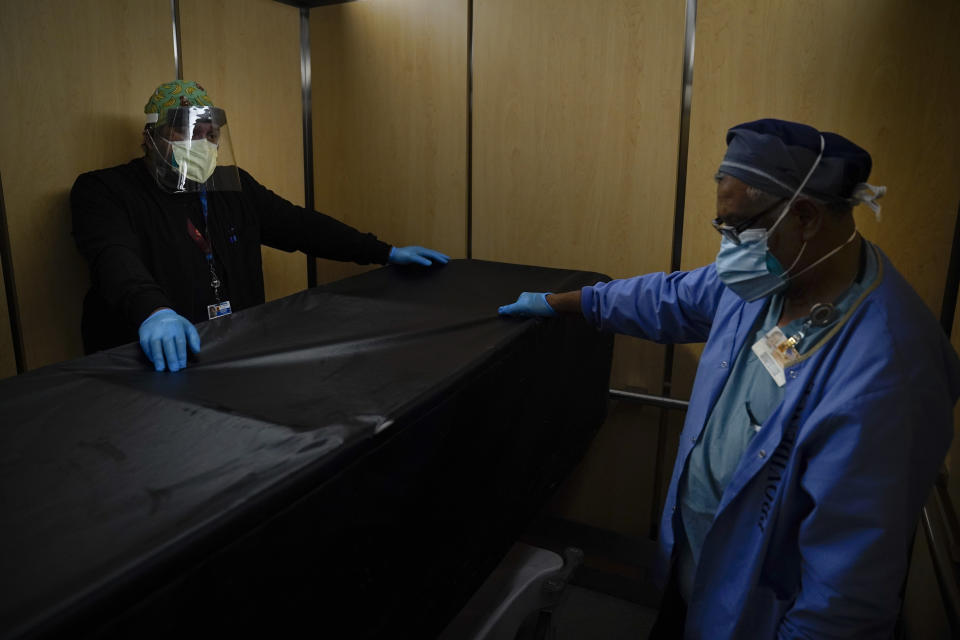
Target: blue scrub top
[747,400]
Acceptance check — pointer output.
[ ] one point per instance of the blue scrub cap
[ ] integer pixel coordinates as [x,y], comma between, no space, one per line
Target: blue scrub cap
[775,156]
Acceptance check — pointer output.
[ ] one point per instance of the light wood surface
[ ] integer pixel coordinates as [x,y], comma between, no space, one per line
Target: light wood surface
[389,121]
[76,76]
[246,54]
[575,137]
[884,73]
[575,130]
[611,487]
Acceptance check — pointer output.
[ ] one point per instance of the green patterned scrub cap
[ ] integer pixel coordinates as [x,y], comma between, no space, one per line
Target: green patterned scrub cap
[173,95]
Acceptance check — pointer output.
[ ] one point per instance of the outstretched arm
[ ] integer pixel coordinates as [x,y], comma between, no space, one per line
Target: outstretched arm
[546,305]
[676,307]
[289,227]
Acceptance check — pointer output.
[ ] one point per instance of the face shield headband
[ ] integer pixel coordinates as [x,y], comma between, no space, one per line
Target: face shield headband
[189,150]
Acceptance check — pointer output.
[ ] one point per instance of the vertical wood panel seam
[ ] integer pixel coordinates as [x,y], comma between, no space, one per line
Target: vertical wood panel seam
[948,308]
[177,39]
[306,96]
[689,39]
[9,282]
[690,28]
[469,212]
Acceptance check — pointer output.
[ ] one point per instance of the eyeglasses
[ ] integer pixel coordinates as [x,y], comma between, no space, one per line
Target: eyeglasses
[201,131]
[732,232]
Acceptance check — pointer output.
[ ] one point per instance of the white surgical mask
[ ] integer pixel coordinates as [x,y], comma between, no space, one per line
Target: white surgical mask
[195,159]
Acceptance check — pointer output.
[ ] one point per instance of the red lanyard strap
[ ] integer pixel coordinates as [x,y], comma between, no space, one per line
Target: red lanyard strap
[204,245]
[198,238]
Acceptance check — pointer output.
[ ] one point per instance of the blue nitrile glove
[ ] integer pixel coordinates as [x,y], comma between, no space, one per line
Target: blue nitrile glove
[164,337]
[529,304]
[416,255]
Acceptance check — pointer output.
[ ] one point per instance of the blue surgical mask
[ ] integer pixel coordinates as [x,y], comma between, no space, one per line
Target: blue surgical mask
[749,269]
[752,272]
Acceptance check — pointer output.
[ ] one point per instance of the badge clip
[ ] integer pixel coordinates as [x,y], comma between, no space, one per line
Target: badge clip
[777,352]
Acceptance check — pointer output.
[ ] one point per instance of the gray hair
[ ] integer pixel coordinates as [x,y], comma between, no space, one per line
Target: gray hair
[756,196]
[763,199]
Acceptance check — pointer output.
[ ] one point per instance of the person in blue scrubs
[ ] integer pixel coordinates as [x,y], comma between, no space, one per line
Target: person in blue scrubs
[822,407]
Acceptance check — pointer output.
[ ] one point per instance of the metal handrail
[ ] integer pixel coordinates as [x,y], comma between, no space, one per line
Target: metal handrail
[646,398]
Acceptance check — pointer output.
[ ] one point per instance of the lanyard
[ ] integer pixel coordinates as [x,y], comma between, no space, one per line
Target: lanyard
[199,240]
[195,234]
[205,246]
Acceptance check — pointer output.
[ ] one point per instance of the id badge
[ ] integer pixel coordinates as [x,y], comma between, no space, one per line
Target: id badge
[776,352]
[218,310]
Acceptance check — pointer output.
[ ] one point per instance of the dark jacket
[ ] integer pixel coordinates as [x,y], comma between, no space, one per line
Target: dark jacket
[134,237]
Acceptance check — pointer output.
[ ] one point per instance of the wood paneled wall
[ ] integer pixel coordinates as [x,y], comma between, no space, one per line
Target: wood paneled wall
[576,111]
[246,54]
[575,136]
[389,121]
[76,76]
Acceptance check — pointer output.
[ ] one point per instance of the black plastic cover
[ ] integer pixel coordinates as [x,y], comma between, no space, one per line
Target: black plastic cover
[356,457]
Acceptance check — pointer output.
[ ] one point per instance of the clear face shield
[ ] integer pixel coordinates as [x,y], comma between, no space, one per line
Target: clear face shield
[189,150]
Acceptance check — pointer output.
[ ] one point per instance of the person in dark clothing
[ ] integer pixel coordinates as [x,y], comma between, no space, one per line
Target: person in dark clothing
[173,238]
